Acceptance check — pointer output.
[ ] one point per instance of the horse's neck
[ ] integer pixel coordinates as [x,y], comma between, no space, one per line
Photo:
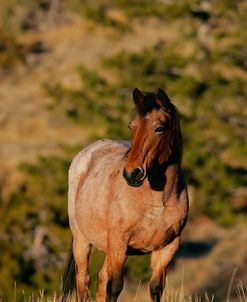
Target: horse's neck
[172,175]
[164,178]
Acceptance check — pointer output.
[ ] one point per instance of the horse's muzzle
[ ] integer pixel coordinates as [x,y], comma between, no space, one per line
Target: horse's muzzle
[134,178]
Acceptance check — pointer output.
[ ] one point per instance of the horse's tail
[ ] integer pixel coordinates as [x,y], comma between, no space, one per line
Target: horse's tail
[68,278]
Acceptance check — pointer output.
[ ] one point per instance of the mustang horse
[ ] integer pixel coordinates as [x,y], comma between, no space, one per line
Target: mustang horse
[128,198]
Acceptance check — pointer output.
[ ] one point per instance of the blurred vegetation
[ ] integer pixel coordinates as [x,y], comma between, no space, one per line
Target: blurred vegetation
[96,102]
[205,75]
[34,229]
[100,11]
[11,52]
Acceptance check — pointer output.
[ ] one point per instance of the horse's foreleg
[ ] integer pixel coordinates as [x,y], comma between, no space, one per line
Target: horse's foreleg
[102,283]
[81,251]
[160,261]
[116,257]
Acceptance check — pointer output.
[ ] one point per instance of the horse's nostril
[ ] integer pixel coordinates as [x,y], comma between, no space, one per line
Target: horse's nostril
[138,173]
[126,175]
[135,176]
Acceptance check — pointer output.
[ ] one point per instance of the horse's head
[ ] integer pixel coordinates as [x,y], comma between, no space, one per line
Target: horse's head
[156,135]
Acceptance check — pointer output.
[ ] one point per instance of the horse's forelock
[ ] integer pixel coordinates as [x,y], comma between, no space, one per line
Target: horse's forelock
[148,104]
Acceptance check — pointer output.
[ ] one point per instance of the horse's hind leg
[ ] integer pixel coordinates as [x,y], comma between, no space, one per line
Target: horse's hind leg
[81,251]
[160,261]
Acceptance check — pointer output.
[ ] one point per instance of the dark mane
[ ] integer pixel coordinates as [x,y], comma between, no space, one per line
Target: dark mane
[177,150]
[148,105]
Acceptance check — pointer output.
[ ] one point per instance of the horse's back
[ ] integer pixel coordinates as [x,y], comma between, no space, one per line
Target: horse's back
[81,162]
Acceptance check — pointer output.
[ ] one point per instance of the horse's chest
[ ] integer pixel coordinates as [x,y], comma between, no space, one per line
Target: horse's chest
[155,230]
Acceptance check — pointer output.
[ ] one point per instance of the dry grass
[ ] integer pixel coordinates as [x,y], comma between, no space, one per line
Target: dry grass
[141,295]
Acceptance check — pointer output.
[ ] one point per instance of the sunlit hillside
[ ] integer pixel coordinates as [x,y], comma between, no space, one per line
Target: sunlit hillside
[67,71]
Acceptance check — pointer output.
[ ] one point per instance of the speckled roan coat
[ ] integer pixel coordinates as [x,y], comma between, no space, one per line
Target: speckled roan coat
[129,198]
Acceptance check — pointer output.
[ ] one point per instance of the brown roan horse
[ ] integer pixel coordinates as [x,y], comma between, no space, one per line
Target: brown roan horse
[128,198]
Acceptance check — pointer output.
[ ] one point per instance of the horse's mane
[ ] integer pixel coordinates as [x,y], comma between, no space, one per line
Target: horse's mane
[177,135]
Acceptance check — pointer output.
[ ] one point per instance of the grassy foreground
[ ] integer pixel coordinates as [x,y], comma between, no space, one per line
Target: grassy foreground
[141,295]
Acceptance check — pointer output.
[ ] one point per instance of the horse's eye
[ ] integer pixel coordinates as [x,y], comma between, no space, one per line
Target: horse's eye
[159,129]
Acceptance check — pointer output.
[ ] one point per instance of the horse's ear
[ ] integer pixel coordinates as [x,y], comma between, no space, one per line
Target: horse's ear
[162,99]
[138,97]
